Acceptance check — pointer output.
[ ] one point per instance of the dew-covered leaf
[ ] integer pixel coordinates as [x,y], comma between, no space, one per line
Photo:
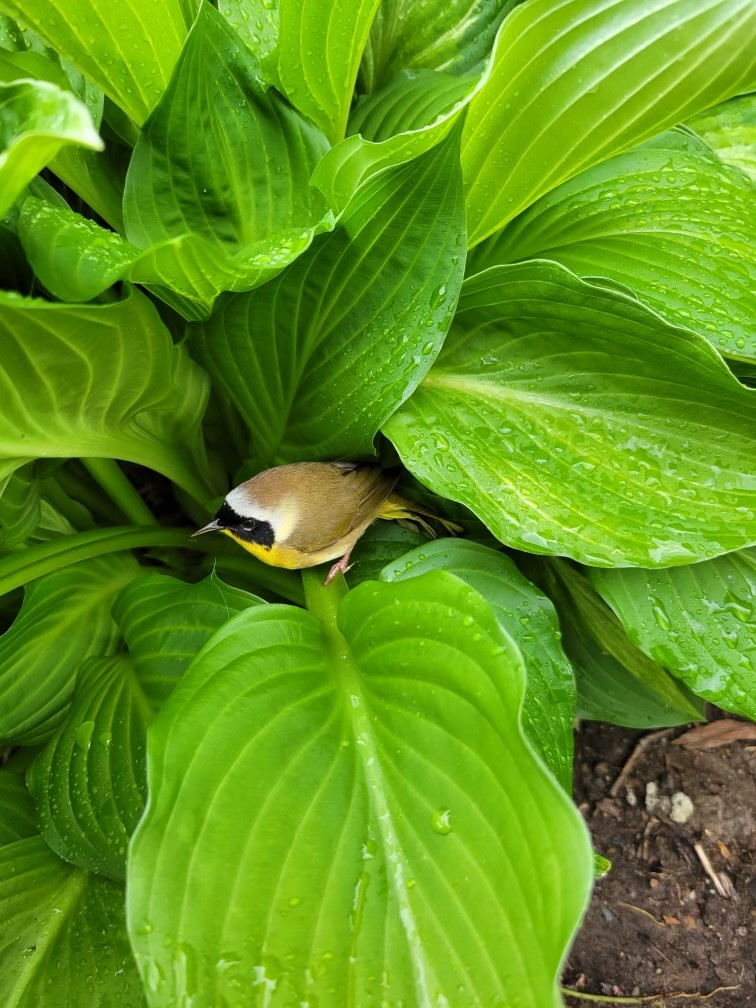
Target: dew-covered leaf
[456,38]
[529,618]
[37,119]
[730,130]
[577,81]
[18,817]
[63,939]
[217,194]
[413,113]
[616,681]
[165,622]
[698,621]
[89,781]
[127,47]
[669,221]
[319,357]
[319,48]
[363,740]
[574,421]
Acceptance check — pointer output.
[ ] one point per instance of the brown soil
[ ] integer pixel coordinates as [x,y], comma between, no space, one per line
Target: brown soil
[657,924]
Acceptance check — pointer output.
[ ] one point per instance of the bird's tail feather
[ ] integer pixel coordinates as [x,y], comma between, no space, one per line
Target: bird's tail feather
[397,508]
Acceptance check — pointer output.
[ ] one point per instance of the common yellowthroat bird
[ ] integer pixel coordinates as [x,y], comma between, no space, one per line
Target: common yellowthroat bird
[308,513]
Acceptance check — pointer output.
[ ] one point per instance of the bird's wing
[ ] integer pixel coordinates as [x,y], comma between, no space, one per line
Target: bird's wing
[368,488]
[341,500]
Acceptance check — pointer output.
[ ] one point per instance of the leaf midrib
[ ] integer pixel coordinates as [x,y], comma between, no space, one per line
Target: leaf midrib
[347,675]
[66,899]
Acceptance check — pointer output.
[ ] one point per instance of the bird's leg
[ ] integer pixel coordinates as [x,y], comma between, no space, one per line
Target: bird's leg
[342,566]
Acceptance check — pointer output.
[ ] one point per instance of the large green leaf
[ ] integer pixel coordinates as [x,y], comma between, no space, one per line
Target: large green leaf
[319,357]
[352,815]
[89,781]
[668,220]
[99,381]
[217,194]
[65,619]
[62,934]
[579,80]
[530,620]
[574,421]
[165,622]
[18,817]
[37,119]
[127,47]
[616,681]
[698,621]
[453,37]
[320,46]
[730,129]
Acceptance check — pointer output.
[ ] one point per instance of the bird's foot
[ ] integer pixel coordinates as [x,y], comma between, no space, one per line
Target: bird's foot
[340,567]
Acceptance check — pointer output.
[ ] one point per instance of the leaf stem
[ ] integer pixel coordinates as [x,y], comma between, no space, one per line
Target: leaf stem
[20,568]
[322,600]
[27,565]
[117,486]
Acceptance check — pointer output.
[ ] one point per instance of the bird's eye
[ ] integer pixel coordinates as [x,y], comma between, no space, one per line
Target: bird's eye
[249,525]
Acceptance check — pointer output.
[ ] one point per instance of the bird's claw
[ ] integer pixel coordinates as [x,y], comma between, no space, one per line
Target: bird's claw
[340,567]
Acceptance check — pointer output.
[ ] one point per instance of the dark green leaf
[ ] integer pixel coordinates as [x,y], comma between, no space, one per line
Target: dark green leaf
[577,81]
[698,621]
[574,421]
[65,548]
[669,221]
[217,194]
[616,682]
[530,620]
[18,817]
[456,38]
[319,357]
[389,865]
[62,934]
[165,622]
[380,545]
[65,619]
[20,508]
[89,780]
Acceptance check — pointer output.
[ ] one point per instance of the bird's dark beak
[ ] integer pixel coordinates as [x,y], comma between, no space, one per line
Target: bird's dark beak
[213,526]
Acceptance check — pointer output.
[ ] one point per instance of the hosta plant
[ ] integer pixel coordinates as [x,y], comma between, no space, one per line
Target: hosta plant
[505,248]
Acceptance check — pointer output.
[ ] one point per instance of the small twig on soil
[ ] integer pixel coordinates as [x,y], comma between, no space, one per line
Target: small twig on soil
[640,910]
[635,755]
[722,884]
[652,999]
